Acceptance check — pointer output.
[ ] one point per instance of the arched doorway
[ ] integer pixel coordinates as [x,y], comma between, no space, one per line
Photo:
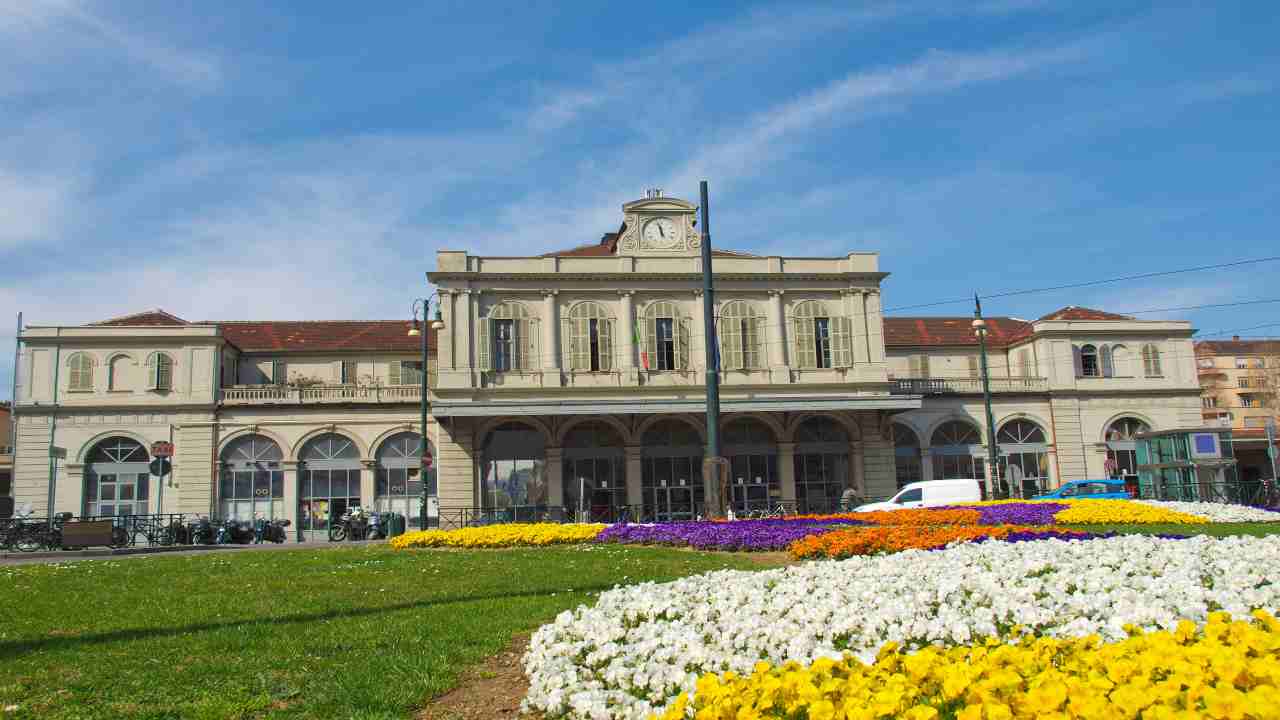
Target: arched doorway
[671,471]
[513,474]
[952,448]
[1122,454]
[117,478]
[821,464]
[752,451]
[594,473]
[251,483]
[398,477]
[906,455]
[1024,458]
[328,483]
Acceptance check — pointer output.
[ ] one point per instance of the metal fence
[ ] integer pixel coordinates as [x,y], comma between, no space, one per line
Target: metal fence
[1258,493]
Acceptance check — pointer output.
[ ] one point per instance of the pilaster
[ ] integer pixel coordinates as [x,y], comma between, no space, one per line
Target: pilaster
[635,470]
[625,337]
[553,474]
[875,323]
[859,469]
[787,471]
[290,472]
[550,339]
[857,300]
[776,340]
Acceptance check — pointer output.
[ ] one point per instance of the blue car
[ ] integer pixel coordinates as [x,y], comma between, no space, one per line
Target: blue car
[1091,489]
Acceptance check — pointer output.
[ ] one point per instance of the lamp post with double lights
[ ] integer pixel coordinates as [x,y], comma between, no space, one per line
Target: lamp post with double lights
[417,330]
[980,328]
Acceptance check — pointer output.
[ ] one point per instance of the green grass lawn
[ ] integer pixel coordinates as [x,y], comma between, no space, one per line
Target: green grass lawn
[334,633]
[1214,529]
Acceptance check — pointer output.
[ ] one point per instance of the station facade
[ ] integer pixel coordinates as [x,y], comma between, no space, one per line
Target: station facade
[572,384]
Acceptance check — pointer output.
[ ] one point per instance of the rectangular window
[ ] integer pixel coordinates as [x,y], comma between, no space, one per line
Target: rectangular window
[164,372]
[822,341]
[593,340]
[348,372]
[1024,361]
[1242,363]
[1243,382]
[1209,402]
[410,372]
[666,343]
[1206,362]
[279,372]
[505,343]
[1247,401]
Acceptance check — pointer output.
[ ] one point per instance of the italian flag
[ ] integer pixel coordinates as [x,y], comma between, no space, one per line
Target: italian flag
[644,356]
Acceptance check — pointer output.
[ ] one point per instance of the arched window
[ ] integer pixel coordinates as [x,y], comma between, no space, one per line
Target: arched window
[952,449]
[741,333]
[1120,361]
[398,478]
[508,339]
[821,465]
[671,471]
[119,373]
[1087,361]
[159,371]
[666,338]
[588,338]
[514,481]
[820,338]
[252,480]
[1024,458]
[906,455]
[1151,360]
[593,475]
[1122,456]
[117,478]
[328,482]
[80,371]
[752,451]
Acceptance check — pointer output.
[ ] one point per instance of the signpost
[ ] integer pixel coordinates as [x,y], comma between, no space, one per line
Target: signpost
[161,450]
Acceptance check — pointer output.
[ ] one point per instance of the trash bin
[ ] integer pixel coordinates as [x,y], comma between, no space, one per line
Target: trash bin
[395,524]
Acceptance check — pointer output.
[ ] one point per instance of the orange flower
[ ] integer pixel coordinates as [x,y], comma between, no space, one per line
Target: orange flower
[894,538]
[907,516]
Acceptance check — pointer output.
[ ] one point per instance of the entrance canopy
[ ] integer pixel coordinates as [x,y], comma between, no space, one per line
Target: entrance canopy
[468,408]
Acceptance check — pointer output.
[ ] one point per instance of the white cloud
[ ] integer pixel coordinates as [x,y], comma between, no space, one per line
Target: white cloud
[32,207]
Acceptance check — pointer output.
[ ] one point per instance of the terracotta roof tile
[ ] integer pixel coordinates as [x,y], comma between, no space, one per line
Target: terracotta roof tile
[149,318]
[323,335]
[1071,312]
[918,331]
[1238,347]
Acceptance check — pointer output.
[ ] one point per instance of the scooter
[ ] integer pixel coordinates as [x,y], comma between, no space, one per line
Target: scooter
[375,527]
[273,531]
[200,532]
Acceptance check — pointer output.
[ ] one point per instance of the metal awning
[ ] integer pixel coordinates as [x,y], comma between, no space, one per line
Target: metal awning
[493,408]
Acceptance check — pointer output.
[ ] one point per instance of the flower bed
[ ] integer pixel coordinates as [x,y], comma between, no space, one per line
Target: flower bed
[1224,670]
[1218,512]
[639,647]
[845,543]
[498,536]
[1031,512]
[707,535]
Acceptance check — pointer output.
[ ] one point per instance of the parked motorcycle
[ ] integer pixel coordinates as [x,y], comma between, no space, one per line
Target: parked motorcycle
[234,532]
[351,526]
[271,531]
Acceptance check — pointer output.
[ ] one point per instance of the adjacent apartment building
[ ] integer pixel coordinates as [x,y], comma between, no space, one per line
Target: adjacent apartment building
[1240,389]
[573,384]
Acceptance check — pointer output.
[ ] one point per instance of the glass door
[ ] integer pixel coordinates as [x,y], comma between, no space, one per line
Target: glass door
[323,497]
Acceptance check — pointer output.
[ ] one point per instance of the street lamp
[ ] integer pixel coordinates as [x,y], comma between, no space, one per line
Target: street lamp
[980,329]
[415,331]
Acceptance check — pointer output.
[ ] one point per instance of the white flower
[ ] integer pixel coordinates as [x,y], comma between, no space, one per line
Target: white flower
[1218,512]
[638,647]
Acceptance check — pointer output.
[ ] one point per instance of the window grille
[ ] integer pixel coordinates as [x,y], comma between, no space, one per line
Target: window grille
[740,333]
[81,372]
[508,339]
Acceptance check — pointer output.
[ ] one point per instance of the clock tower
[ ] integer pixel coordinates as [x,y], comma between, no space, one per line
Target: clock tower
[657,225]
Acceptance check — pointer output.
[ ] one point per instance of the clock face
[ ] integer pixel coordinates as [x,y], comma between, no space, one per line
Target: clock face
[661,233]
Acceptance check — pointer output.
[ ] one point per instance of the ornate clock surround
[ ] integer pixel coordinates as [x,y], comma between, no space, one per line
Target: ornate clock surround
[637,215]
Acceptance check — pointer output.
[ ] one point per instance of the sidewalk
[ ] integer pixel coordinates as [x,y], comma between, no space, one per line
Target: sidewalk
[46,556]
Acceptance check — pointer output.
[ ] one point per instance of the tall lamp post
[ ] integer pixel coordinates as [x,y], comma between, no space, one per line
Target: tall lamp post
[980,328]
[414,331]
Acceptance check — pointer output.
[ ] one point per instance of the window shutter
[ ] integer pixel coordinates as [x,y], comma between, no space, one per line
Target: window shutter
[605,328]
[532,359]
[842,355]
[569,344]
[484,346]
[805,355]
[651,342]
[164,372]
[755,342]
[349,371]
[682,343]
[393,372]
[1079,363]
[729,335]
[974,370]
[279,372]
[1104,355]
[151,371]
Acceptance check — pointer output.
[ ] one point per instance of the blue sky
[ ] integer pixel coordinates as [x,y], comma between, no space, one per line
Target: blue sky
[238,160]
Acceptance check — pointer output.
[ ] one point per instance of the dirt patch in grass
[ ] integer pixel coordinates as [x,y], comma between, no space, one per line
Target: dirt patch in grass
[488,691]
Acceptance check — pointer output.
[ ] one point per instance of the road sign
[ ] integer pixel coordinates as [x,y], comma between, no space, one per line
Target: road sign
[162,449]
[161,467]
[58,453]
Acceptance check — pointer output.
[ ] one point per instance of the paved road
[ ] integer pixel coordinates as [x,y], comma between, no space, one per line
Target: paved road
[10,558]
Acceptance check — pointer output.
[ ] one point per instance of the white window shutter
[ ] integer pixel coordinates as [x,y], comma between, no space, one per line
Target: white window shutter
[164,372]
[605,328]
[729,342]
[532,359]
[651,342]
[568,343]
[682,343]
[151,371]
[279,372]
[801,342]
[1104,354]
[393,372]
[484,346]
[842,349]
[1078,360]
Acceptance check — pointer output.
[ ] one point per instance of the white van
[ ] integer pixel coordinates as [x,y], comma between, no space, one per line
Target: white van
[929,493]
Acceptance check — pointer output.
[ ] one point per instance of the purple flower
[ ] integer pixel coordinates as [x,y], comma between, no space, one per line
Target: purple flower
[707,535]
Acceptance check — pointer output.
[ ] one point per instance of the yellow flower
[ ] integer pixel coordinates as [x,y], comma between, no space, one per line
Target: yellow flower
[499,536]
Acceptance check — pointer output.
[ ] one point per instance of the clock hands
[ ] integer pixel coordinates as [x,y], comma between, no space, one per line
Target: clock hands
[660,232]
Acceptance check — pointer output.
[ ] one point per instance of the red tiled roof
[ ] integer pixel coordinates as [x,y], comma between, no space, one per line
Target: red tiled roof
[1238,347]
[323,335]
[151,318]
[917,331]
[608,246]
[1071,312]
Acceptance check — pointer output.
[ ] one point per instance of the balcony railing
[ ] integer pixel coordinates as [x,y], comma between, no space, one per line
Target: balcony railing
[967,386]
[320,394]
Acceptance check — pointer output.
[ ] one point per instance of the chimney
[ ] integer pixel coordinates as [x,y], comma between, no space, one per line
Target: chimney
[1235,338]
